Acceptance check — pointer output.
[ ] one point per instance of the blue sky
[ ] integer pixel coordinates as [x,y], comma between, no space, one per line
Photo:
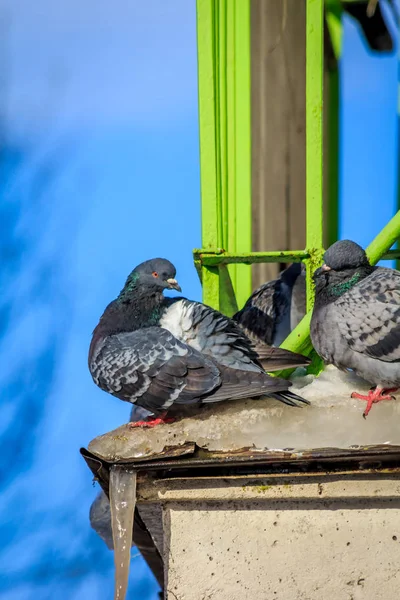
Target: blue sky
[369,138]
[108,98]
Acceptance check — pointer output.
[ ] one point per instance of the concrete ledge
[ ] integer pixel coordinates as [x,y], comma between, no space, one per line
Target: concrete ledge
[327,540]
[319,524]
[362,486]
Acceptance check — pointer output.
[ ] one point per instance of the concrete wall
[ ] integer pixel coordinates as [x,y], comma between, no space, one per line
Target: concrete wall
[279,538]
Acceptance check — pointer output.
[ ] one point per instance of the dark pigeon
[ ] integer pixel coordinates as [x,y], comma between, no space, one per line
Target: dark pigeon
[162,353]
[356,319]
[275,308]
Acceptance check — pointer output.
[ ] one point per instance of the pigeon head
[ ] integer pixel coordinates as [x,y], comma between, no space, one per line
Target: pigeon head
[344,255]
[155,274]
[140,302]
[345,264]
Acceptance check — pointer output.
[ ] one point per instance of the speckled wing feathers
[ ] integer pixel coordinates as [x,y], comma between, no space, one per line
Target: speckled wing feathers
[369,315]
[275,308]
[258,316]
[211,333]
[243,384]
[152,367]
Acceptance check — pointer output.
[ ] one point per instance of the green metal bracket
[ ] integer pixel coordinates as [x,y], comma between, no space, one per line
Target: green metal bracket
[220,257]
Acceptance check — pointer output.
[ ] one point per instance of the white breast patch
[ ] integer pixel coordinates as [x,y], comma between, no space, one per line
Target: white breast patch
[177,320]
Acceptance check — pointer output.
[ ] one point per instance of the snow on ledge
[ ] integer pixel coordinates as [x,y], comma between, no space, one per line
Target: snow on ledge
[333,420]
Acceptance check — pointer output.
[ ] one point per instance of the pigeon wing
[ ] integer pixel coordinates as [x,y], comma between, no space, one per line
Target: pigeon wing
[259,315]
[153,369]
[273,358]
[220,338]
[369,315]
[211,333]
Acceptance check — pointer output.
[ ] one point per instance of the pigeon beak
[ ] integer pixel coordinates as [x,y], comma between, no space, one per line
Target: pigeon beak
[173,285]
[325,268]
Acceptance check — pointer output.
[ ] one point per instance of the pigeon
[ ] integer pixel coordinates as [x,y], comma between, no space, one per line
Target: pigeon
[275,308]
[355,322]
[100,518]
[164,353]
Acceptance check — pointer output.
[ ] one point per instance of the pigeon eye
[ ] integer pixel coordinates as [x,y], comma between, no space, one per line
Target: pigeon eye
[155,274]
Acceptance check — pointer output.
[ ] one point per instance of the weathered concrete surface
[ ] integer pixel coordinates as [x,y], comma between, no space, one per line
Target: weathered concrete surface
[280,538]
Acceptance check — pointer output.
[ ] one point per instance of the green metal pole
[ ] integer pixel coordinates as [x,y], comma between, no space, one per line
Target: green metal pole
[223,34]
[211,213]
[384,240]
[314,146]
[239,140]
[228,258]
[299,339]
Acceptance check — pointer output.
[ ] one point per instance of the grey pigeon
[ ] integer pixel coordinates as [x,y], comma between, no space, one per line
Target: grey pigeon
[355,323]
[100,518]
[275,308]
[162,353]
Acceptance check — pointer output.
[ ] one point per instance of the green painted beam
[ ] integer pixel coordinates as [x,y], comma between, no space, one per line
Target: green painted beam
[228,258]
[228,304]
[384,240]
[211,216]
[223,34]
[210,282]
[314,139]
[299,339]
[286,256]
[239,182]
[391,255]
[211,213]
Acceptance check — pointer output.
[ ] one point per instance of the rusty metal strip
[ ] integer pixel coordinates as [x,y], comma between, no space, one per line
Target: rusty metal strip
[196,458]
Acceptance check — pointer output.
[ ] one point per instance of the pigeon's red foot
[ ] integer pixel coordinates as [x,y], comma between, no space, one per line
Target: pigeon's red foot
[374,395]
[153,422]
